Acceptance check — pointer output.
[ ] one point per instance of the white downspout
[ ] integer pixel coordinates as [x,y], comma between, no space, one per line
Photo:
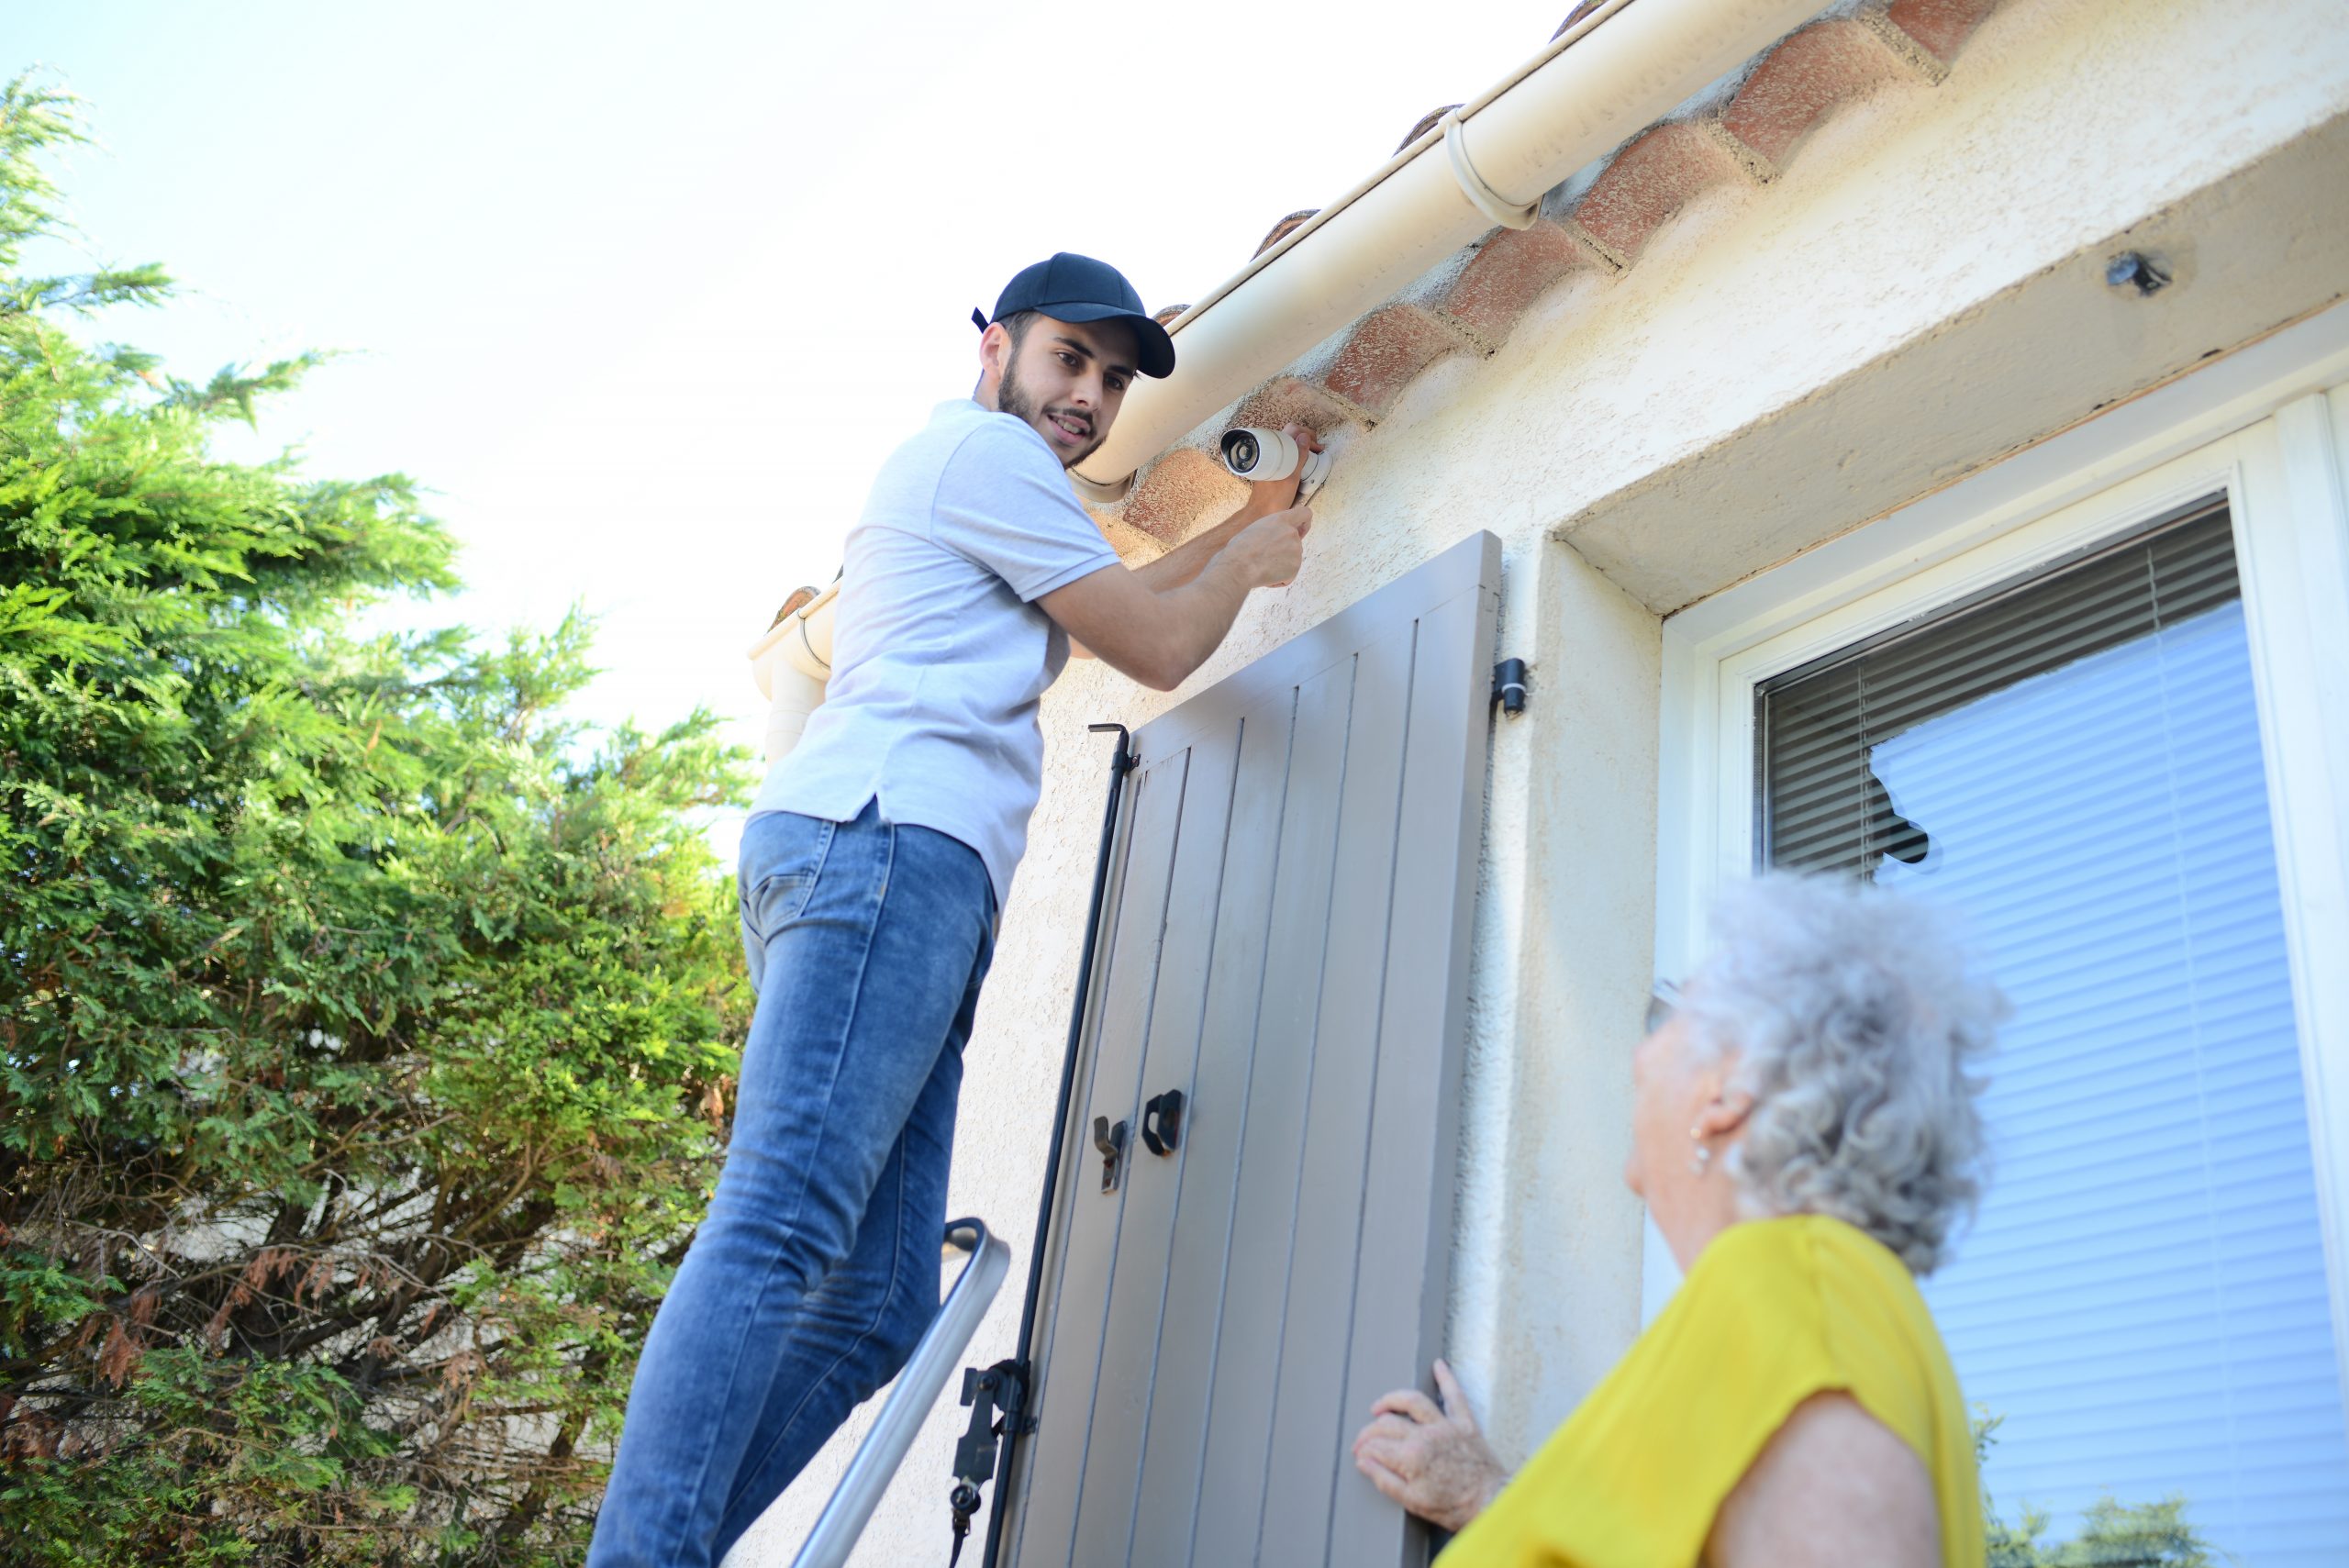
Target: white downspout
[1611,76]
[791,663]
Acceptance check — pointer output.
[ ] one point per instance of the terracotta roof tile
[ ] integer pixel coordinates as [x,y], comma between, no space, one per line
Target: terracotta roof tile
[1296,400]
[1941,25]
[1803,78]
[1576,14]
[1182,486]
[1385,349]
[1511,270]
[1426,123]
[1653,177]
[1282,230]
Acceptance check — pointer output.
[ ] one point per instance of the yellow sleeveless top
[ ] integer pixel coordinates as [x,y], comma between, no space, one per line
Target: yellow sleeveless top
[1774,1311]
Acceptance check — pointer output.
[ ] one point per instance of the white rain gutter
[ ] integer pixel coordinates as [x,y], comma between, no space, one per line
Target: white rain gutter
[791,663]
[1611,76]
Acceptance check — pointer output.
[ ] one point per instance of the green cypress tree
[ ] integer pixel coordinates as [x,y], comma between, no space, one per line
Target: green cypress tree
[365,1026]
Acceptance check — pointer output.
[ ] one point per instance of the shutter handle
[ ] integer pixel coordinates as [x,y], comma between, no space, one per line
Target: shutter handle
[1167,1110]
[1112,1141]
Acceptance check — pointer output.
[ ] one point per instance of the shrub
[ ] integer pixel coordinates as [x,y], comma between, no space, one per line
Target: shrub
[365,1026]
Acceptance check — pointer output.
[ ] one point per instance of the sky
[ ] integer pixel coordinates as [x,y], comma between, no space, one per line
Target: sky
[642,295]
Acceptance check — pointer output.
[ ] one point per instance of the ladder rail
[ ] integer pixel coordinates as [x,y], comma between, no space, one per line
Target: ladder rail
[917,1389]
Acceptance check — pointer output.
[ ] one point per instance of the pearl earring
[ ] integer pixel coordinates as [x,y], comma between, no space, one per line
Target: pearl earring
[1704,1156]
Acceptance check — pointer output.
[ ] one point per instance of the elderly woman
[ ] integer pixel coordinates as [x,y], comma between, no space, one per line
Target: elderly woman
[1804,1133]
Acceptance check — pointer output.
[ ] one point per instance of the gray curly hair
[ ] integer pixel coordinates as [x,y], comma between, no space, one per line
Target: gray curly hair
[1860,1023]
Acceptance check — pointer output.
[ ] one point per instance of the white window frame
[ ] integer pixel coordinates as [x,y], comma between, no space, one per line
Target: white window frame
[2268,428]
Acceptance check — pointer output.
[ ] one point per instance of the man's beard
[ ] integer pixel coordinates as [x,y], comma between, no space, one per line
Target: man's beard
[1012,398]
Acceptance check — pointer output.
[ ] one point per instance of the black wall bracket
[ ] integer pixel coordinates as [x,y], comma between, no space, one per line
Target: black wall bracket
[1509,684]
[997,1397]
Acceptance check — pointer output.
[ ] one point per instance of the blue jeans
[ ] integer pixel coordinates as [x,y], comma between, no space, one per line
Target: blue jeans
[817,1267]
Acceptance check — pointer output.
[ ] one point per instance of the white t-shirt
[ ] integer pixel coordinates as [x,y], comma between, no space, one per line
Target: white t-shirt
[939,656]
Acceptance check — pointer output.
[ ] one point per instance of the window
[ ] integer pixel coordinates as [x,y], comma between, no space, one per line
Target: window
[2067,636]
[2074,761]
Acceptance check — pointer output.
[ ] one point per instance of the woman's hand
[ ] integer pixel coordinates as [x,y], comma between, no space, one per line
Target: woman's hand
[1433,1461]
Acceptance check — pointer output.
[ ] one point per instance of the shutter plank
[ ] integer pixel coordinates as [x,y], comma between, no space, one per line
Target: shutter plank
[1089,1217]
[1174,1450]
[1146,1230]
[1018,1481]
[1247,1358]
[1327,1202]
[1405,1245]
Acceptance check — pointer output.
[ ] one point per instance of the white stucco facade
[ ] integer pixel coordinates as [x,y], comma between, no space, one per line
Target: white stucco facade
[1917,296]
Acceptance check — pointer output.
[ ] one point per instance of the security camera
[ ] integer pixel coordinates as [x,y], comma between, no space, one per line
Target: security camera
[1257,455]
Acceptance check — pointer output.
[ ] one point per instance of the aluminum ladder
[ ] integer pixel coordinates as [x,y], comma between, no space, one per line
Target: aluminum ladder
[916,1390]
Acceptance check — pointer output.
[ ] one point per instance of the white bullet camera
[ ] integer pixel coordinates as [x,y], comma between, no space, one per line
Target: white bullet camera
[1256,455]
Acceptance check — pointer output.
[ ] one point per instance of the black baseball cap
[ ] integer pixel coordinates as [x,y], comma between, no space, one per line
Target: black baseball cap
[1071,287]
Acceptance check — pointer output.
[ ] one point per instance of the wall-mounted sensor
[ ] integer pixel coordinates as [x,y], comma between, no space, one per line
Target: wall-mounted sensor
[1257,455]
[2135,270]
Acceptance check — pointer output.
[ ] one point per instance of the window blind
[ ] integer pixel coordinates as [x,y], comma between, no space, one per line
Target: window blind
[2074,761]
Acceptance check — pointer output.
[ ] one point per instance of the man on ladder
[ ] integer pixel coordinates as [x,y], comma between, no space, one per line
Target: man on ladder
[874,866]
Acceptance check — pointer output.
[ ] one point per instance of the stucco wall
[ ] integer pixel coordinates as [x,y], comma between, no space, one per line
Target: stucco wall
[1788,360]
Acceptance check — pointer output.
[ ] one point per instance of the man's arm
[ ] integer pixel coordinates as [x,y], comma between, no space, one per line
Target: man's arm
[1185,562]
[1158,636]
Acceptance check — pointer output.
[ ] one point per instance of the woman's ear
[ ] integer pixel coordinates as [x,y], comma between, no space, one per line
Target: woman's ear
[1725,1114]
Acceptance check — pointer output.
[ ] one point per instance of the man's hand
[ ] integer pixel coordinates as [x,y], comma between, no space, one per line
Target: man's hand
[1268,551]
[1433,1461]
[1186,560]
[1266,496]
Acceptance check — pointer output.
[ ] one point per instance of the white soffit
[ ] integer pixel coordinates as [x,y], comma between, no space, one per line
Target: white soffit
[2253,252]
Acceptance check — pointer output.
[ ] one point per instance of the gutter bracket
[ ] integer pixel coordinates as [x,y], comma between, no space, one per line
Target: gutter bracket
[1481,196]
[809,648]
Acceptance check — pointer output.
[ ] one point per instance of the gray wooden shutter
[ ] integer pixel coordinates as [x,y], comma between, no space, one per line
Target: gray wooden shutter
[1288,946]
